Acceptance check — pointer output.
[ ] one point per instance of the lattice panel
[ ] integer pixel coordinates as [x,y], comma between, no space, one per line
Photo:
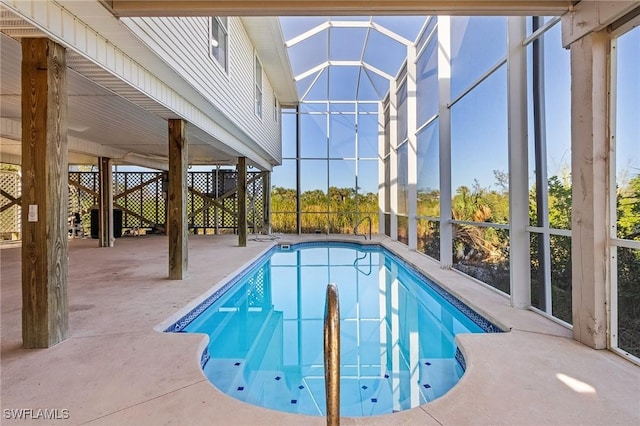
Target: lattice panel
[10,210]
[212,200]
[201,188]
[140,197]
[83,196]
[256,201]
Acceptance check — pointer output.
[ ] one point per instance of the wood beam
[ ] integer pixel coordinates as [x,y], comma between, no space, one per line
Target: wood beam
[593,16]
[105,202]
[336,7]
[138,187]
[590,220]
[266,197]
[177,203]
[45,311]
[242,201]
[12,200]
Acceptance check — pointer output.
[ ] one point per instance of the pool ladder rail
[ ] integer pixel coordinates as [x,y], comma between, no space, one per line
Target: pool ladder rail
[355,228]
[332,355]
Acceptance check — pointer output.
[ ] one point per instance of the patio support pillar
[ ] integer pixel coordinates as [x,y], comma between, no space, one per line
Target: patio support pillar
[590,217]
[242,201]
[266,194]
[105,202]
[177,203]
[519,244]
[444,141]
[45,195]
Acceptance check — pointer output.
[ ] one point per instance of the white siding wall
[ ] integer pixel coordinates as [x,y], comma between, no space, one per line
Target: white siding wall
[184,44]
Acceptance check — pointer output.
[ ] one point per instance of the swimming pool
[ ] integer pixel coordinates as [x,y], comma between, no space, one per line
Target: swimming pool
[265,330]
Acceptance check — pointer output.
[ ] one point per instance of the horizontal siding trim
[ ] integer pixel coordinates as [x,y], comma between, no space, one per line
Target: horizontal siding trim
[183,44]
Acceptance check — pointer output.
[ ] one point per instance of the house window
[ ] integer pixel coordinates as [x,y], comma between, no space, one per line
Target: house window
[258,87]
[219,41]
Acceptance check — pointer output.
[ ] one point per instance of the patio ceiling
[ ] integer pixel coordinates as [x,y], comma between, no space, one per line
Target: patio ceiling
[107,116]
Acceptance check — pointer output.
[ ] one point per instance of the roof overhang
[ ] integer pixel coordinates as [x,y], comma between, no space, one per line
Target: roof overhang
[337,7]
[266,36]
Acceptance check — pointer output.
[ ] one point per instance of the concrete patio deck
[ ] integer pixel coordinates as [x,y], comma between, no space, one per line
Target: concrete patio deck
[116,369]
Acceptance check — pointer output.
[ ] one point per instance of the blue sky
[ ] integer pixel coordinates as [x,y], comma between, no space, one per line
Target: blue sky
[479,127]
[628,104]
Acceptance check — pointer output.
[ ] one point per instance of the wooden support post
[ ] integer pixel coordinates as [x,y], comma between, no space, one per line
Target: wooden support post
[242,201]
[266,196]
[45,310]
[177,204]
[589,170]
[105,203]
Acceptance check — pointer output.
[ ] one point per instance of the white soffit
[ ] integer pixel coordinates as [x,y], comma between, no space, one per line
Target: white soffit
[266,36]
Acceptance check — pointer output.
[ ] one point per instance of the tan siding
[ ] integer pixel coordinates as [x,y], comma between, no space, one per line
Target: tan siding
[183,44]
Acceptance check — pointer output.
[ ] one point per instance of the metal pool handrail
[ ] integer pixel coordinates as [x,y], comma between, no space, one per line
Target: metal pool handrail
[332,355]
[355,228]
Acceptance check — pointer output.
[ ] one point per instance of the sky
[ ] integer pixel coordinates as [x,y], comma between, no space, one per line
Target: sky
[479,124]
[628,104]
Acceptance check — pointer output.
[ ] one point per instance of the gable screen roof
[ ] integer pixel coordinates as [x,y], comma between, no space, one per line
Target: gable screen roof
[347,58]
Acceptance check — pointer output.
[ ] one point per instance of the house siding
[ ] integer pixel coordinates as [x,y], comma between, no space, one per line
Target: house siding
[183,43]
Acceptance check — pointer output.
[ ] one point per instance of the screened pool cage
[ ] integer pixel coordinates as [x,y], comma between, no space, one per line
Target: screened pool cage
[405,121]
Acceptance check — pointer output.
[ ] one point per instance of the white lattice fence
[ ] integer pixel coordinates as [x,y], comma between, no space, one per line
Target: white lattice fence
[10,195]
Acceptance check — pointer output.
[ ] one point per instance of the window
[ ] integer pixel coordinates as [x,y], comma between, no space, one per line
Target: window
[258,83]
[625,188]
[218,41]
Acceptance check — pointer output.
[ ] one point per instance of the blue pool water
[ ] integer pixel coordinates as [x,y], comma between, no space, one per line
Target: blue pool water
[397,331]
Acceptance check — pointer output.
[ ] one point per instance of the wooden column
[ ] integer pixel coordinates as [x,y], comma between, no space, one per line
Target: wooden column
[105,202]
[266,196]
[242,201]
[45,311]
[177,204]
[589,169]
